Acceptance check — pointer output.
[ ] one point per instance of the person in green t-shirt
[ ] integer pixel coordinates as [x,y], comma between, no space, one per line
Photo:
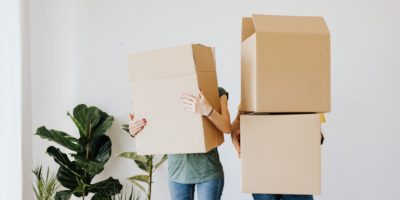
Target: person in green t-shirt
[200,171]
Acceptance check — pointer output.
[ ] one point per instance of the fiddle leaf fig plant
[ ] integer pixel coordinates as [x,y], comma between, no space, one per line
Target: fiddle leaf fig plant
[89,153]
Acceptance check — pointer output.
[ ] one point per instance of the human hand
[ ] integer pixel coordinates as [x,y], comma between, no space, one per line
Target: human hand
[197,105]
[236,141]
[135,126]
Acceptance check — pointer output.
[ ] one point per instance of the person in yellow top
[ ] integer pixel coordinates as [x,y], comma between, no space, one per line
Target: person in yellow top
[236,143]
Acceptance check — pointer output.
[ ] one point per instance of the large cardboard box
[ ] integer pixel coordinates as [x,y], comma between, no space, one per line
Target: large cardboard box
[280,154]
[285,64]
[159,78]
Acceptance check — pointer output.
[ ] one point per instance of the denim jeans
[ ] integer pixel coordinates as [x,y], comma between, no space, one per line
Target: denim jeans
[281,197]
[210,190]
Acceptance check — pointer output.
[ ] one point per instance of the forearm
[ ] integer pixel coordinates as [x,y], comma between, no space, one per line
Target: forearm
[236,123]
[236,133]
[222,122]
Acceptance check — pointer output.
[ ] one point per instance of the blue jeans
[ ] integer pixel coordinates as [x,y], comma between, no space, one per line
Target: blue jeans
[281,197]
[210,190]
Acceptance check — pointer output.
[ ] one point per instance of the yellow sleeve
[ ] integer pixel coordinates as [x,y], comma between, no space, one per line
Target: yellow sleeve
[322,118]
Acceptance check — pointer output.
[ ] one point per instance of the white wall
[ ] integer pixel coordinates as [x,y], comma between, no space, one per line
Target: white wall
[78,55]
[12,104]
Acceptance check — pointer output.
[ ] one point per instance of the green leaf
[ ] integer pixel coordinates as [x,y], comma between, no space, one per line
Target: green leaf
[79,118]
[67,178]
[63,195]
[59,137]
[108,187]
[81,191]
[141,161]
[125,127]
[104,124]
[88,117]
[91,121]
[91,167]
[69,173]
[99,196]
[137,184]
[63,160]
[133,156]
[143,166]
[78,124]
[101,149]
[46,186]
[131,195]
[163,159]
[37,195]
[142,178]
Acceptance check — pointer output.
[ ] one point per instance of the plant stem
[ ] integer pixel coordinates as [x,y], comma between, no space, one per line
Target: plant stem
[87,158]
[150,180]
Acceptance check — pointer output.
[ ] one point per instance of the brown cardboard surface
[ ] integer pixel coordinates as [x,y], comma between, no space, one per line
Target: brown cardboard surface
[158,79]
[280,154]
[249,75]
[285,64]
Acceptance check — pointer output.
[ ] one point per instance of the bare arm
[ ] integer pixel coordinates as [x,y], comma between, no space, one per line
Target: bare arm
[222,120]
[236,122]
[236,131]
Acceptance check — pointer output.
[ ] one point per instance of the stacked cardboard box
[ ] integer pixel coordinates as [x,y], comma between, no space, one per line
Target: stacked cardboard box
[158,79]
[285,69]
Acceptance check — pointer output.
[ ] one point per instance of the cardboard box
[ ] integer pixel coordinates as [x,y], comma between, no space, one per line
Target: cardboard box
[285,64]
[159,78]
[280,154]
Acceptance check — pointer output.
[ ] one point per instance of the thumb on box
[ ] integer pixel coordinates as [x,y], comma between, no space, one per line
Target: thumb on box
[131,116]
[201,95]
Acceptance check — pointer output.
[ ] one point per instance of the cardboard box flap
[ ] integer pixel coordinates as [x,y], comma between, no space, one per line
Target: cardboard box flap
[290,24]
[247,28]
[204,58]
[161,63]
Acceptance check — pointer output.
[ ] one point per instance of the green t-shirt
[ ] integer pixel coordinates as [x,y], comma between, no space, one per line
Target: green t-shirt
[196,167]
